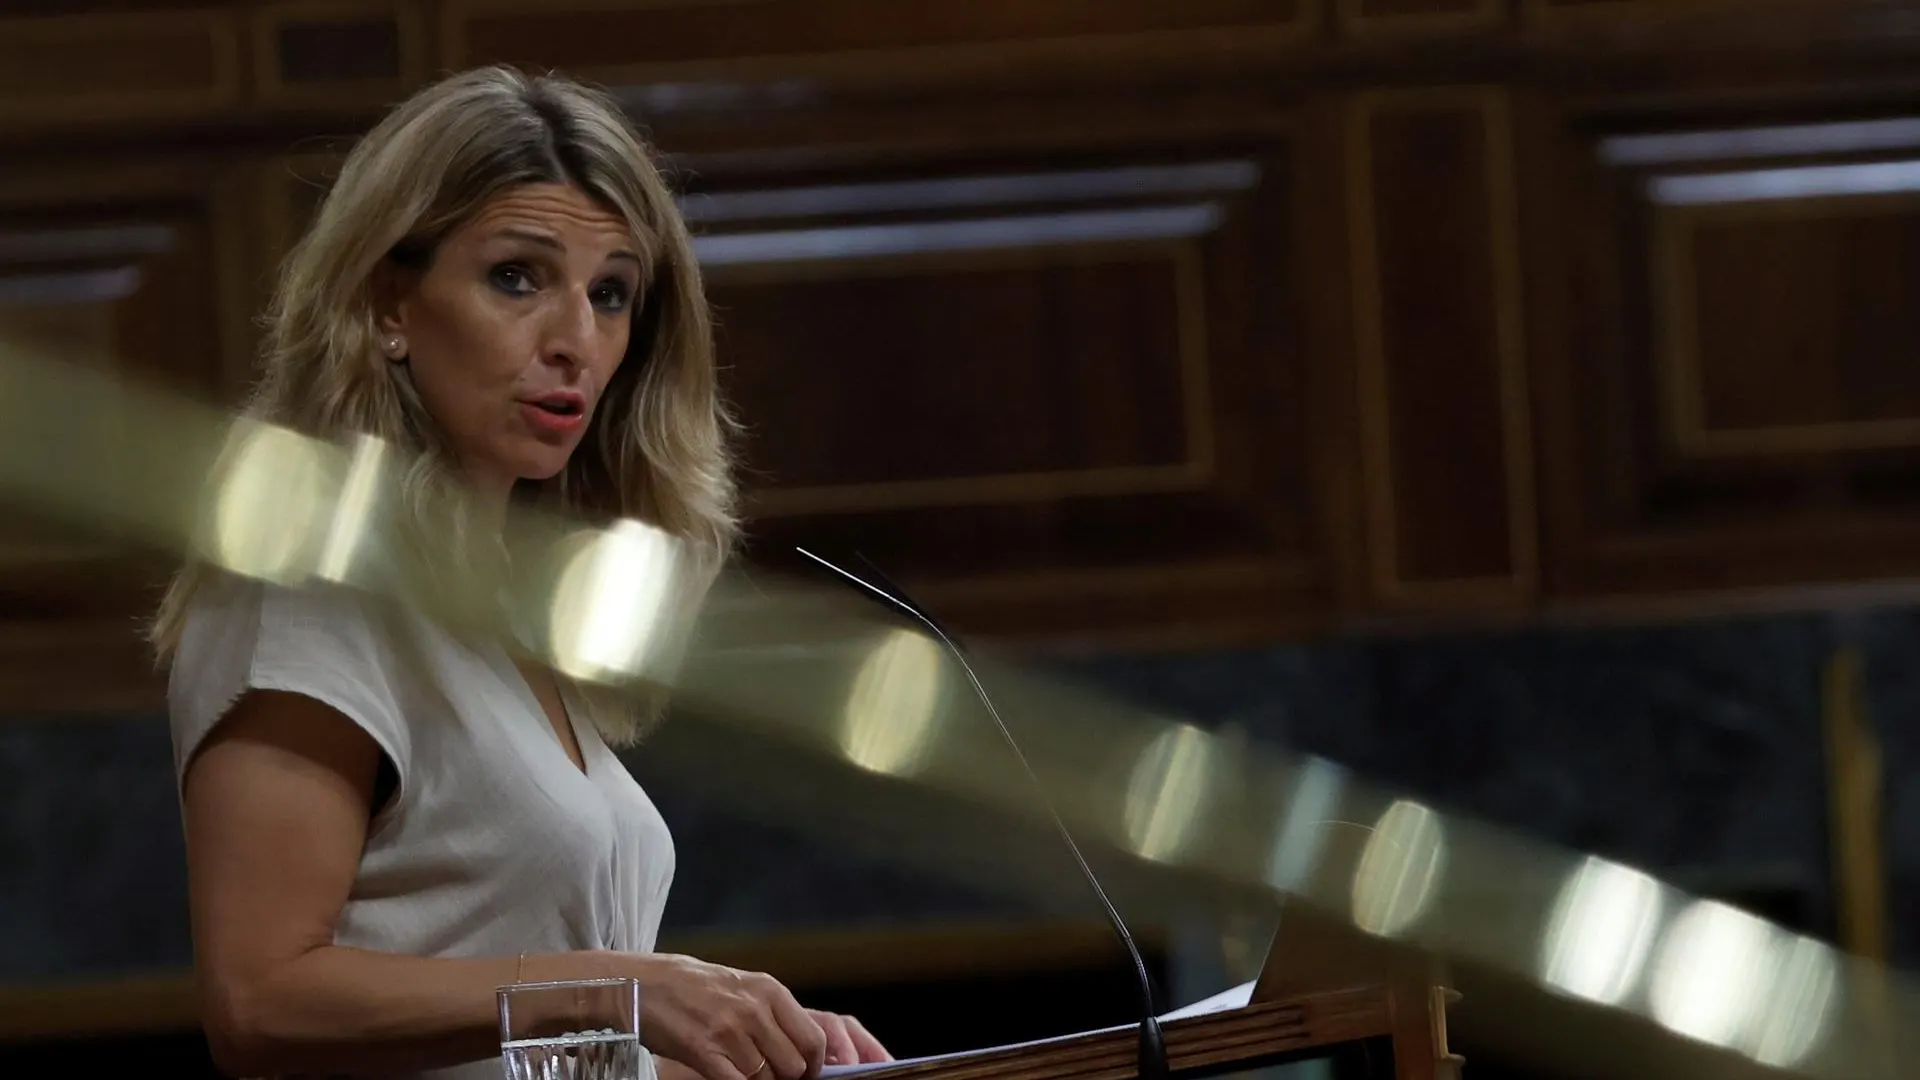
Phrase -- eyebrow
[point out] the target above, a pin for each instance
(547, 240)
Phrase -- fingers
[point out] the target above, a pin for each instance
(717, 1065)
(665, 1068)
(802, 1031)
(738, 1037)
(840, 1047)
(727, 1024)
(792, 1042)
(735, 1052)
(866, 1047)
(848, 1041)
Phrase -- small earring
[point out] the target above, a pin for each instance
(394, 350)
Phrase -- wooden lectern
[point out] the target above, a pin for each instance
(1324, 992)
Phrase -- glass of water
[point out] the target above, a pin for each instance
(587, 1029)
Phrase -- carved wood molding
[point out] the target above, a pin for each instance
(1438, 307)
(315, 53)
(1677, 287)
(275, 62)
(1721, 368)
(142, 266)
(111, 69)
(854, 42)
(1558, 12)
(1387, 18)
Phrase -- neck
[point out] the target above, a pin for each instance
(490, 495)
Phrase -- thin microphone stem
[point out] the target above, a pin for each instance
(1153, 1063)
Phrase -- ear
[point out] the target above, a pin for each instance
(389, 292)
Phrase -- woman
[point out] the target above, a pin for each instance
(385, 821)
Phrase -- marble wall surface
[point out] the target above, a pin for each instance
(1692, 750)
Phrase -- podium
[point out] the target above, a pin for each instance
(1324, 991)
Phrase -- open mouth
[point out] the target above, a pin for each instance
(556, 412)
(560, 403)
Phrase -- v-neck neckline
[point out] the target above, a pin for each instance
(531, 700)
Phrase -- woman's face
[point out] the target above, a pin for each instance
(515, 327)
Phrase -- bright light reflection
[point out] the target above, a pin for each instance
(1601, 930)
(1167, 792)
(353, 510)
(1806, 993)
(1714, 968)
(1794, 140)
(1793, 182)
(891, 712)
(1303, 835)
(1078, 185)
(611, 609)
(1399, 870)
(269, 505)
(972, 234)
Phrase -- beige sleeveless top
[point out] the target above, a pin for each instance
(495, 843)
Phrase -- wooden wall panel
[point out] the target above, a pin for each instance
(324, 53)
(1547, 11)
(1320, 374)
(124, 66)
(1058, 397)
(1832, 367)
(1032, 373)
(136, 268)
(831, 38)
(136, 261)
(1576, 13)
(1374, 17)
(1442, 375)
(1736, 378)
(291, 189)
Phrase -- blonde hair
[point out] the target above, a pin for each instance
(658, 446)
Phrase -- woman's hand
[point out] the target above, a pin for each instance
(665, 1068)
(726, 1024)
(848, 1043)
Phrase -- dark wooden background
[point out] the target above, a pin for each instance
(1111, 323)
(1116, 322)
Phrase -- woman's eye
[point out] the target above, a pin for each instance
(611, 296)
(511, 278)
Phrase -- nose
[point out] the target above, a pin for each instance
(570, 329)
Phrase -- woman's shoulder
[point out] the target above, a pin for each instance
(312, 614)
(319, 640)
(239, 633)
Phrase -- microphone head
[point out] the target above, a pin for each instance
(877, 585)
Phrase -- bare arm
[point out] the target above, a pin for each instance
(277, 807)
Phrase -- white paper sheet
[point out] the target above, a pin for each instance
(1235, 998)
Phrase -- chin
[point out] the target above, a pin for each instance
(540, 472)
(540, 463)
(530, 460)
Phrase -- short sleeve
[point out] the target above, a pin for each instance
(324, 642)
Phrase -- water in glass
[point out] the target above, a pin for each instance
(587, 1029)
(587, 1055)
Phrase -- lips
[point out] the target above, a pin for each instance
(559, 412)
(560, 403)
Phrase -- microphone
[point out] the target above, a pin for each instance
(1152, 1060)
